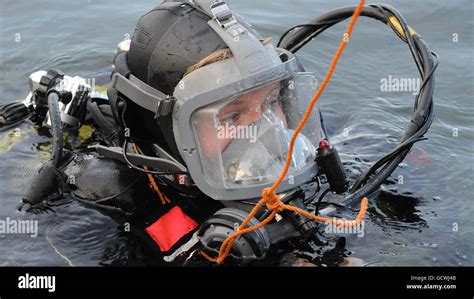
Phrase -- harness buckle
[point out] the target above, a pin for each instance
(165, 107)
(223, 14)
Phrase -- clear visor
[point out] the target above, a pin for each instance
(244, 140)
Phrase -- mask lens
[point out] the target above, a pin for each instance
(244, 140)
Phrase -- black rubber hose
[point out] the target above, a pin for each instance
(304, 34)
(293, 41)
(425, 106)
(419, 118)
(56, 128)
(423, 115)
(408, 36)
(109, 128)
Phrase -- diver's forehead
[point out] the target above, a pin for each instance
(251, 98)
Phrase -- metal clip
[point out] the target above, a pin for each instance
(165, 107)
(223, 14)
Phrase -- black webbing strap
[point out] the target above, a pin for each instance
(143, 95)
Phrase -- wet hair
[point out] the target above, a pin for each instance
(218, 55)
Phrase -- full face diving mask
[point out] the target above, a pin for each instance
(233, 119)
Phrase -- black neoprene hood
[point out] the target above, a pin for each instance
(167, 40)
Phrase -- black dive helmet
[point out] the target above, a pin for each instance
(229, 123)
(166, 41)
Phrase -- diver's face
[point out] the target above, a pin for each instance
(248, 108)
(241, 113)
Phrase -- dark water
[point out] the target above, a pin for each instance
(427, 220)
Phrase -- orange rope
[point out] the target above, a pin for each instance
(269, 197)
(164, 199)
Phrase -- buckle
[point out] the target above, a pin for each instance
(165, 107)
(223, 14)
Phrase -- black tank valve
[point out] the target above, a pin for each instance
(330, 165)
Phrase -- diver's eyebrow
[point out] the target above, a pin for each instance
(234, 105)
(237, 104)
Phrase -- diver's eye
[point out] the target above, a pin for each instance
(231, 118)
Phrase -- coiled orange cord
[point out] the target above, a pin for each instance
(269, 197)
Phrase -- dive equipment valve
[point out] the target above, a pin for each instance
(223, 223)
(330, 164)
(73, 92)
(306, 226)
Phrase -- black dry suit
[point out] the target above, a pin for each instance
(162, 48)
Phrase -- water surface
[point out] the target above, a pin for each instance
(427, 220)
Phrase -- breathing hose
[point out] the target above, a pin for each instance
(56, 128)
(426, 62)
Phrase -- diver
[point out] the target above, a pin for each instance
(197, 121)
